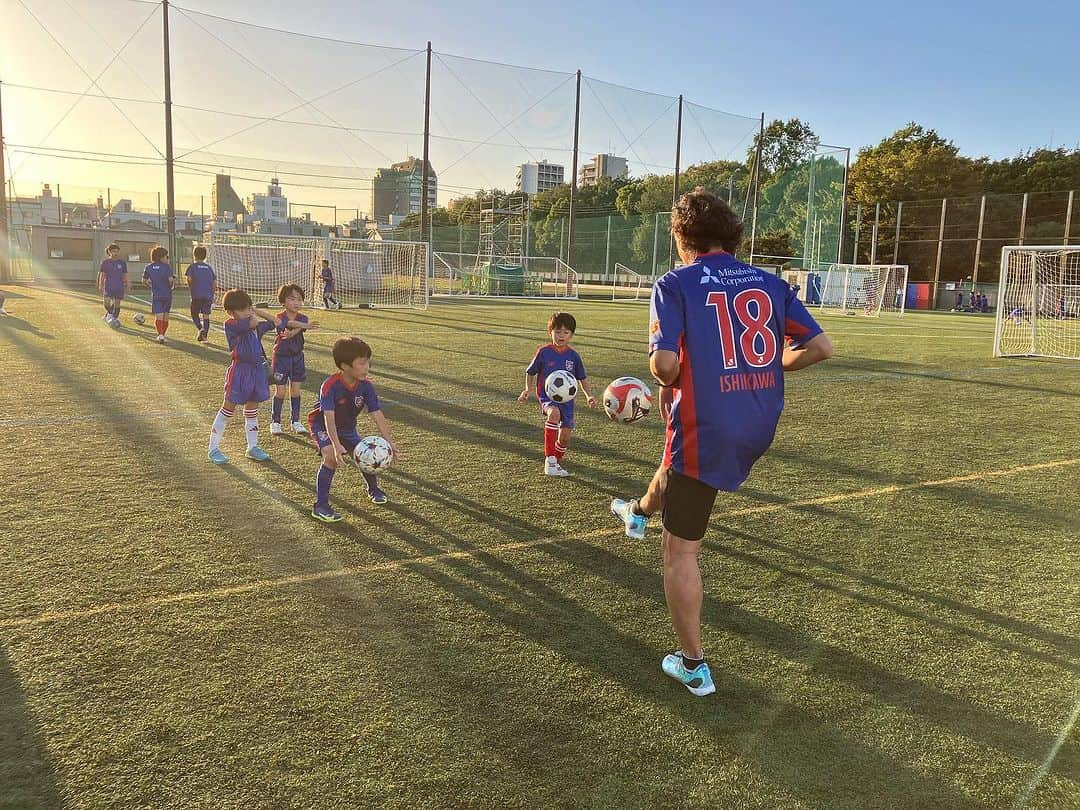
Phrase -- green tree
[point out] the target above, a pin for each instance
(912, 163)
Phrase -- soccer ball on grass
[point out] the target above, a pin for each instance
(627, 400)
(139, 318)
(561, 387)
(373, 454)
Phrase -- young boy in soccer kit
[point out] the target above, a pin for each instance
(559, 417)
(245, 379)
(113, 283)
(200, 280)
(327, 276)
(158, 276)
(287, 365)
(342, 398)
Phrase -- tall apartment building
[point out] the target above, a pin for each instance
(602, 166)
(534, 177)
(397, 190)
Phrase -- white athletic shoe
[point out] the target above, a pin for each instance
(160, 338)
(299, 427)
(275, 429)
(552, 467)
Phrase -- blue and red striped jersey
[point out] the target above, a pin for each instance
(727, 321)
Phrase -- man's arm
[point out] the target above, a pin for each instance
(815, 350)
(664, 366)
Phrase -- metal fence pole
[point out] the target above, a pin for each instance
(5, 243)
(940, 245)
(873, 244)
(896, 238)
(607, 249)
(1068, 218)
(1023, 218)
(675, 180)
(655, 235)
(858, 227)
(978, 242)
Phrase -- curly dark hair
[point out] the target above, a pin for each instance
(235, 300)
(562, 320)
(700, 220)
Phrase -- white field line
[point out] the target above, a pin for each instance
(1025, 796)
(404, 563)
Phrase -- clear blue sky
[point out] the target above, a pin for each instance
(996, 78)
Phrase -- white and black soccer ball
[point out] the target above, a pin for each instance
(373, 454)
(139, 318)
(627, 400)
(561, 386)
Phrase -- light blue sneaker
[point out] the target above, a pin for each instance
(256, 453)
(217, 456)
(698, 680)
(635, 524)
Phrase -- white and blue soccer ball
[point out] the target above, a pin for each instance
(373, 454)
(627, 400)
(561, 386)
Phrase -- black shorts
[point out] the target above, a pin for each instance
(688, 505)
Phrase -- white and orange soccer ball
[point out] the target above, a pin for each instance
(627, 400)
(373, 454)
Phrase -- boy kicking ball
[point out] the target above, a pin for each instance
(342, 398)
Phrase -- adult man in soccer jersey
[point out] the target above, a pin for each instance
(717, 346)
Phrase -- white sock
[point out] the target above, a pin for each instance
(218, 429)
(251, 422)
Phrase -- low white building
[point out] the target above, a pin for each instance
(272, 207)
(538, 176)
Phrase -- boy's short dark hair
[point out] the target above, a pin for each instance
(347, 349)
(199, 253)
(158, 253)
(287, 289)
(235, 300)
(326, 261)
(701, 220)
(562, 320)
(112, 246)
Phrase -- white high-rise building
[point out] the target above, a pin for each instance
(603, 166)
(534, 177)
(270, 207)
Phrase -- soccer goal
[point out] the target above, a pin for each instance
(367, 272)
(628, 285)
(864, 289)
(1038, 304)
(377, 273)
(468, 274)
(261, 263)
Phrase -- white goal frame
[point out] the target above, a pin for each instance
(367, 272)
(1037, 311)
(867, 289)
(627, 284)
(467, 275)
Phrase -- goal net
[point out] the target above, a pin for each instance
(1038, 305)
(367, 272)
(377, 273)
(456, 274)
(261, 263)
(628, 285)
(863, 289)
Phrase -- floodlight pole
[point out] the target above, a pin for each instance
(573, 185)
(425, 234)
(4, 243)
(170, 188)
(675, 179)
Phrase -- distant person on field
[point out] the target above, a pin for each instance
(113, 283)
(158, 276)
(984, 304)
(2, 299)
(328, 287)
(201, 282)
(717, 346)
(959, 302)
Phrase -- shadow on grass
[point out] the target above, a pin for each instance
(13, 322)
(27, 777)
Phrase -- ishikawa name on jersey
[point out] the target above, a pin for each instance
(549, 358)
(727, 321)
